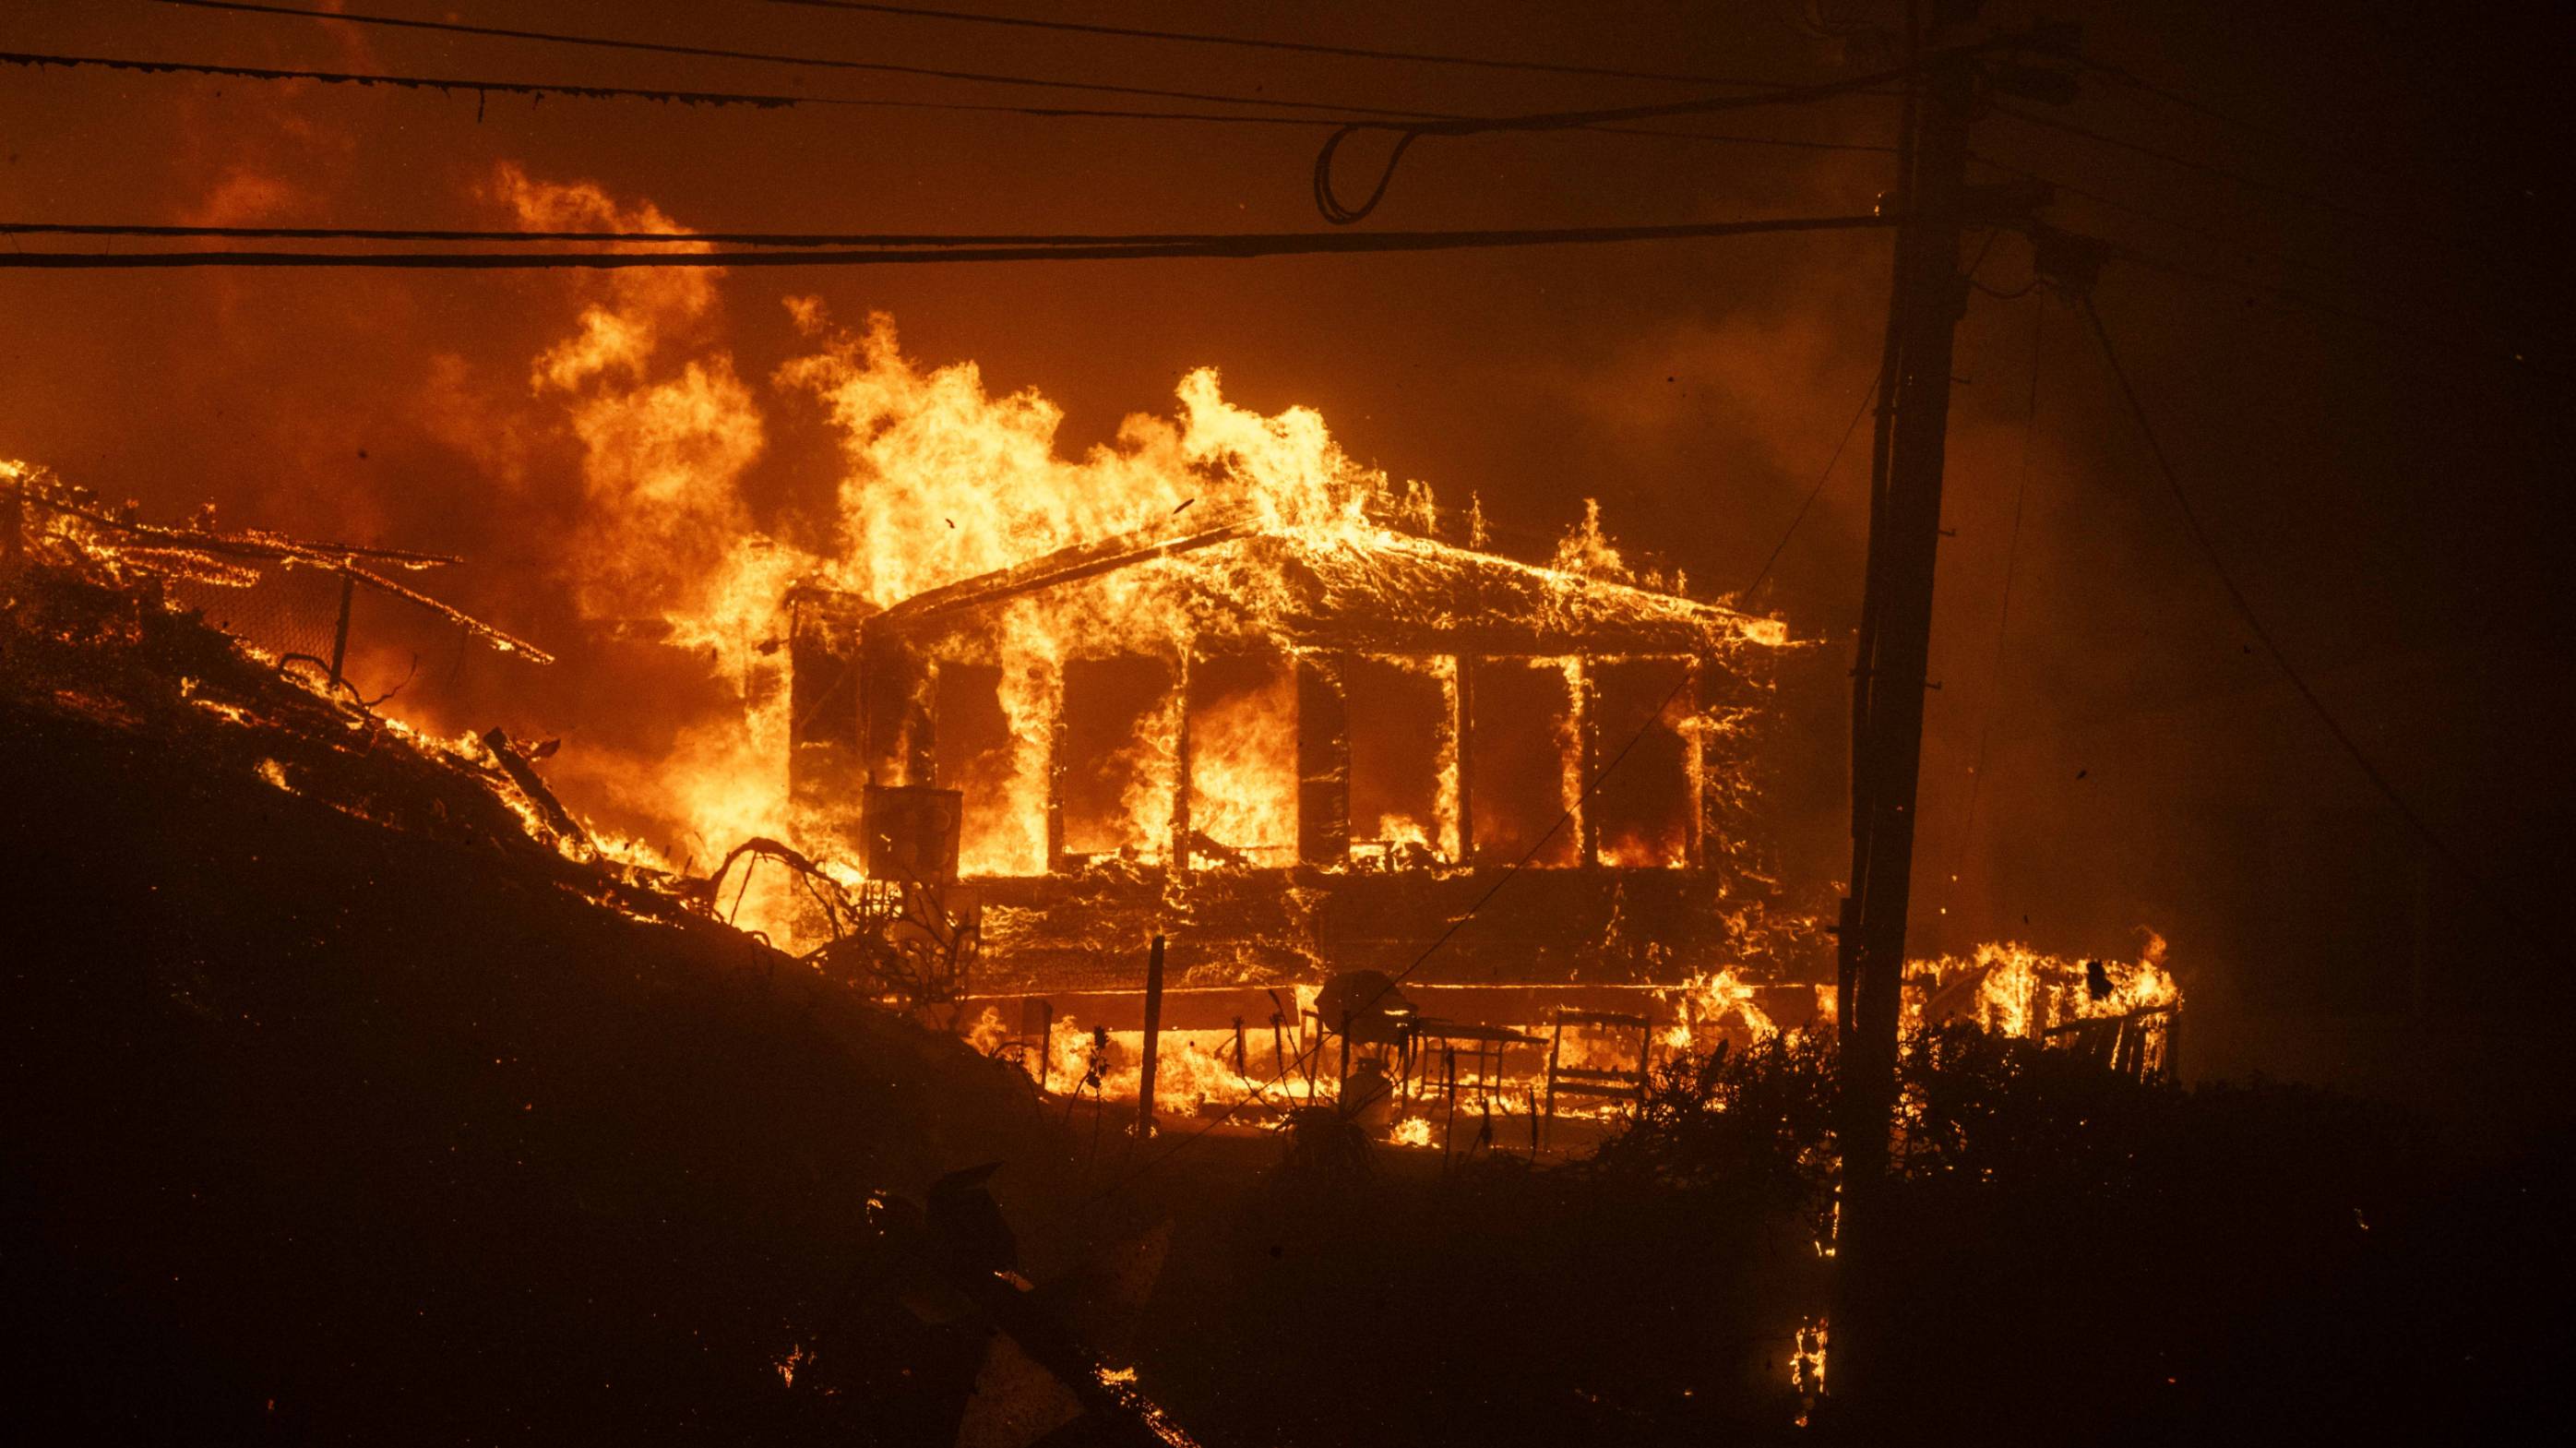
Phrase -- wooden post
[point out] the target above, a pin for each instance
(1240, 1069)
(1449, 1089)
(921, 727)
(1055, 790)
(1587, 743)
(340, 633)
(895, 696)
(1181, 763)
(1462, 697)
(1555, 1045)
(1153, 1039)
(1323, 763)
(1044, 1009)
(13, 526)
(1694, 772)
(827, 754)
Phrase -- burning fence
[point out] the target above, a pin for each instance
(1452, 1058)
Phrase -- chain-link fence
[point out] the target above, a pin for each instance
(288, 613)
(310, 606)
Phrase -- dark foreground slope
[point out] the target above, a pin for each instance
(339, 1110)
(321, 1130)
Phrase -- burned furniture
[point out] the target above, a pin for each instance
(1625, 1080)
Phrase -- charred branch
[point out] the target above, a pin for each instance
(507, 755)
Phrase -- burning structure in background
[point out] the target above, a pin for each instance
(1300, 686)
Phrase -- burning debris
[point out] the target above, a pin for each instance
(2123, 1014)
(100, 628)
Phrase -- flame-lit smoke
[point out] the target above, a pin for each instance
(940, 480)
(944, 481)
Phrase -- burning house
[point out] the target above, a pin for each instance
(1302, 746)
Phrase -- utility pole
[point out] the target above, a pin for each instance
(1153, 1040)
(1890, 675)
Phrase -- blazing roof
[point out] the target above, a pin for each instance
(1370, 589)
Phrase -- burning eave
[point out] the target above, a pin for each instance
(1360, 589)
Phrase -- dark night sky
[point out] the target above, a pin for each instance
(2386, 495)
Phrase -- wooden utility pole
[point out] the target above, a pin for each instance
(1153, 1039)
(1890, 675)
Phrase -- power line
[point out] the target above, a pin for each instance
(2231, 240)
(1341, 213)
(1812, 493)
(739, 238)
(772, 101)
(1238, 246)
(2003, 613)
(2250, 251)
(2495, 899)
(764, 101)
(409, 82)
(2175, 97)
(708, 52)
(755, 99)
(2206, 168)
(2488, 348)
(2137, 82)
(1300, 47)
(1325, 113)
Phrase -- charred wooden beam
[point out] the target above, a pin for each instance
(1587, 745)
(894, 710)
(250, 544)
(826, 759)
(13, 527)
(505, 753)
(1181, 762)
(1055, 789)
(1492, 638)
(1694, 774)
(1462, 698)
(921, 730)
(1323, 762)
(1065, 565)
